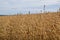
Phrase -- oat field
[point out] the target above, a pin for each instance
(45, 26)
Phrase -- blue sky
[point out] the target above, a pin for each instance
(23, 6)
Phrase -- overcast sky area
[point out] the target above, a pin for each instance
(23, 6)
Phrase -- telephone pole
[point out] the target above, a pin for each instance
(59, 9)
(29, 12)
(44, 8)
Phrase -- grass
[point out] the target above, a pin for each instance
(30, 27)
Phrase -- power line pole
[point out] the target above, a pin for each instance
(44, 8)
(29, 12)
(59, 9)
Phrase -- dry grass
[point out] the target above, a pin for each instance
(30, 27)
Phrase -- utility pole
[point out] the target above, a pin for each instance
(59, 9)
(29, 12)
(41, 11)
(44, 8)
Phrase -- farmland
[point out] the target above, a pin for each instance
(45, 26)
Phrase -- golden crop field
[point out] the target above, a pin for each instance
(30, 27)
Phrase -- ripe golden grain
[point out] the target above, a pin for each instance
(30, 27)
